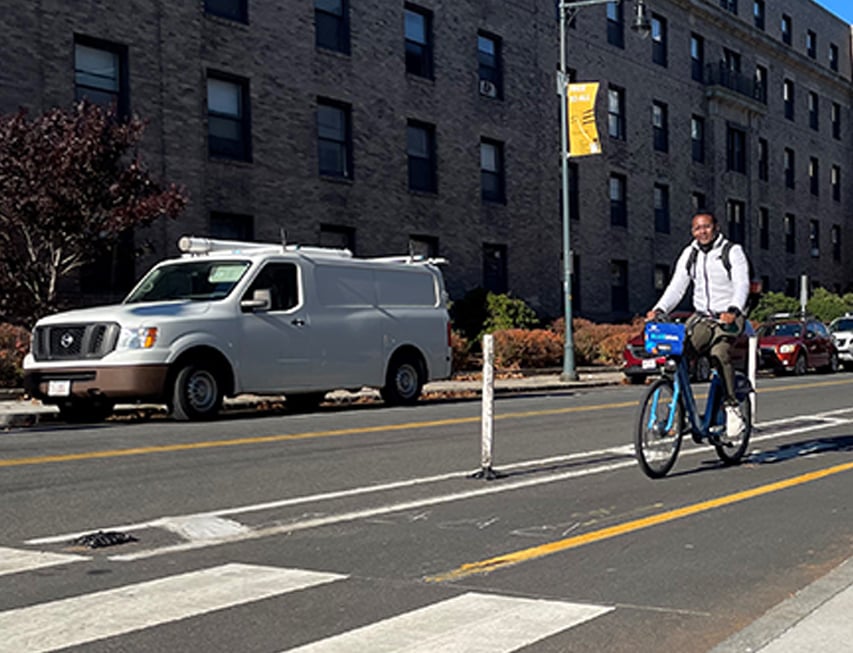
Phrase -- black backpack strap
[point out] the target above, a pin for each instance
(691, 261)
(727, 247)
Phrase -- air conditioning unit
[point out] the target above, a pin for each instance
(488, 88)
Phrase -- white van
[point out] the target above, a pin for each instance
(228, 318)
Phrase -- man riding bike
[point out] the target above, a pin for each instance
(720, 294)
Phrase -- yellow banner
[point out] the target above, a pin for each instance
(583, 134)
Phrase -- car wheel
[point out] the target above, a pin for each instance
(832, 366)
(403, 381)
(800, 366)
(196, 393)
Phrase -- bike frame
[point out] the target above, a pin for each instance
(683, 392)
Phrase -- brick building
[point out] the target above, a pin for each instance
(433, 126)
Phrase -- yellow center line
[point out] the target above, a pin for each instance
(267, 439)
(532, 553)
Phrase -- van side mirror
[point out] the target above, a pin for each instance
(261, 301)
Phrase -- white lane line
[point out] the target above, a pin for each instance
(201, 527)
(468, 623)
(77, 620)
(13, 561)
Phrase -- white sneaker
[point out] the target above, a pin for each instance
(734, 423)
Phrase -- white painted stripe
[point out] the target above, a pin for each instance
(74, 621)
(201, 527)
(481, 623)
(13, 561)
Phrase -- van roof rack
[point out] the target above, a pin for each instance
(196, 246)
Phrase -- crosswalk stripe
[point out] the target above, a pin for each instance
(470, 623)
(13, 561)
(77, 620)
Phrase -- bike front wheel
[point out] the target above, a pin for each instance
(660, 425)
(732, 452)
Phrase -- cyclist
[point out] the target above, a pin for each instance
(719, 299)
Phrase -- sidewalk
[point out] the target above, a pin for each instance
(15, 410)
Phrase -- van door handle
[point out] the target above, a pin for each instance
(297, 321)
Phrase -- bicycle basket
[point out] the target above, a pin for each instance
(664, 338)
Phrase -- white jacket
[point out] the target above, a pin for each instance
(713, 290)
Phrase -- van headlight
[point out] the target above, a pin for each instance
(787, 349)
(137, 338)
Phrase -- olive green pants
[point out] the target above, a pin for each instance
(708, 336)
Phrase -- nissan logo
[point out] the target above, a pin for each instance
(66, 340)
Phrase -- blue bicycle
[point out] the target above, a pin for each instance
(669, 406)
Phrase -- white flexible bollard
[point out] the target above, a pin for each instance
(488, 414)
(751, 368)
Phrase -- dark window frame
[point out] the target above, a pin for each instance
(697, 57)
(814, 176)
(342, 143)
(789, 167)
(493, 182)
(218, 148)
(615, 25)
(660, 132)
(662, 210)
(120, 97)
(332, 28)
(789, 98)
(763, 227)
(616, 127)
(495, 275)
(736, 159)
(419, 55)
(758, 14)
(618, 205)
(236, 10)
(763, 160)
(835, 182)
(422, 169)
(490, 71)
(790, 223)
(659, 40)
(786, 27)
(697, 141)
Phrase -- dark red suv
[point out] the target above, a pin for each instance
(638, 365)
(794, 344)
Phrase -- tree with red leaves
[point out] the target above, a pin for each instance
(71, 181)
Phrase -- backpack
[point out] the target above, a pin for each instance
(755, 284)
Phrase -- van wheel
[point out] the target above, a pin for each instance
(403, 382)
(196, 394)
(82, 411)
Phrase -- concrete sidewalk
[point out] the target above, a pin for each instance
(19, 411)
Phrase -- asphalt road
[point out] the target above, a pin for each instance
(361, 529)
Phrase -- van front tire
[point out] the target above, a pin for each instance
(403, 382)
(196, 394)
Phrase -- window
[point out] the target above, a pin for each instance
(100, 74)
(426, 246)
(790, 234)
(661, 200)
(228, 127)
(494, 268)
(729, 5)
(489, 59)
(787, 29)
(735, 149)
(697, 57)
(758, 14)
(835, 182)
(811, 44)
(334, 139)
(331, 24)
(789, 167)
(764, 227)
(788, 98)
(418, 26)
(814, 111)
(230, 9)
(619, 286)
(698, 202)
(763, 160)
(835, 118)
(814, 238)
(491, 171)
(661, 277)
(337, 236)
(281, 279)
(833, 57)
(616, 112)
(420, 147)
(835, 237)
(618, 207)
(660, 127)
(735, 212)
(615, 24)
(814, 176)
(658, 40)
(697, 138)
(760, 88)
(231, 226)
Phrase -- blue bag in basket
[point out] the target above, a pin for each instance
(664, 338)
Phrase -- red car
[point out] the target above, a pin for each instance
(638, 365)
(792, 344)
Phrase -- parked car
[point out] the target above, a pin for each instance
(796, 344)
(841, 329)
(638, 364)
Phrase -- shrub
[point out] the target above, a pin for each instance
(505, 312)
(774, 302)
(826, 306)
(462, 359)
(527, 348)
(14, 343)
(597, 344)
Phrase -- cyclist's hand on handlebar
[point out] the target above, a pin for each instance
(655, 314)
(727, 318)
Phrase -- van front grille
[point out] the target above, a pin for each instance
(74, 341)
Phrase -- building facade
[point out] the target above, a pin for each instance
(433, 127)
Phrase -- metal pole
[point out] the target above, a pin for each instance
(569, 372)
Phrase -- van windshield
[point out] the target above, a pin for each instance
(197, 281)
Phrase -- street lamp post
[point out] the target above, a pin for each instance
(640, 25)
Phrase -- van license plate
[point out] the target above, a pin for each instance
(58, 388)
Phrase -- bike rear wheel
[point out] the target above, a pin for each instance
(732, 452)
(660, 424)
